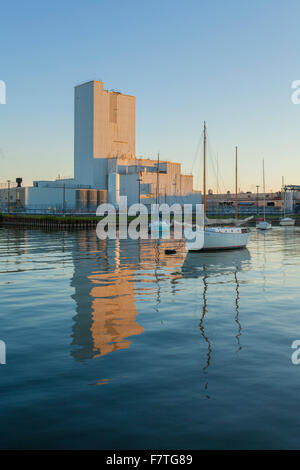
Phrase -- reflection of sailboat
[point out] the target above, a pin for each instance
(207, 265)
(215, 238)
(213, 264)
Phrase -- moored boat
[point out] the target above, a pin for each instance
(215, 238)
(287, 221)
(263, 225)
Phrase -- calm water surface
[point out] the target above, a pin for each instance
(116, 345)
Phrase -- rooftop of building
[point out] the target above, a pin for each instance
(116, 92)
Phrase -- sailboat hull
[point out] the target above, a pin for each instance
(218, 238)
(287, 221)
(160, 227)
(263, 225)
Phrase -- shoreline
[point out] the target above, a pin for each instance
(75, 222)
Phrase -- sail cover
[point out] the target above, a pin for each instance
(227, 221)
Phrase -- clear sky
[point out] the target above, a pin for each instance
(230, 63)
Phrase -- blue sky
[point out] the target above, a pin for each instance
(230, 63)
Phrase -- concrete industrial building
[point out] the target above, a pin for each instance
(105, 154)
(105, 163)
(104, 129)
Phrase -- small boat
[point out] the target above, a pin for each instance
(263, 224)
(215, 238)
(287, 221)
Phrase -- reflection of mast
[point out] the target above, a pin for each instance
(264, 264)
(204, 310)
(237, 298)
(157, 259)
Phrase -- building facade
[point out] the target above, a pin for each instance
(104, 128)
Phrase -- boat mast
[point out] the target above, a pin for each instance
(217, 174)
(204, 171)
(284, 196)
(264, 185)
(236, 182)
(157, 180)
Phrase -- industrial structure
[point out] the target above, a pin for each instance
(105, 162)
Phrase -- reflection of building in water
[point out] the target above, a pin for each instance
(113, 311)
(104, 282)
(104, 293)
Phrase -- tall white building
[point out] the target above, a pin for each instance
(104, 128)
(105, 149)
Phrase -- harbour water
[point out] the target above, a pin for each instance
(115, 345)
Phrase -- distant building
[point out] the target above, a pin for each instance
(248, 199)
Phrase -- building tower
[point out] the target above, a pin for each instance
(104, 128)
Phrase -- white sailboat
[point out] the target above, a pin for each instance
(263, 224)
(285, 221)
(215, 238)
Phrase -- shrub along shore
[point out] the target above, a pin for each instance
(52, 221)
(72, 222)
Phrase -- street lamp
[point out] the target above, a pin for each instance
(257, 186)
(139, 181)
(8, 194)
(64, 197)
